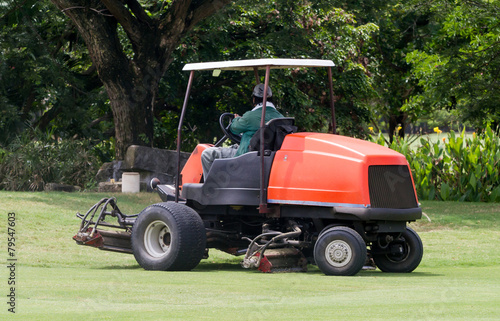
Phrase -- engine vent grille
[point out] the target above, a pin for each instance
(391, 187)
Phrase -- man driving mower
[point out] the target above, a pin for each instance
(245, 125)
(294, 198)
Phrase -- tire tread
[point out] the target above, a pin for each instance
(191, 240)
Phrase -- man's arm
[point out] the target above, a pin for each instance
(241, 124)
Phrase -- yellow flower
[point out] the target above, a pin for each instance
(399, 128)
(436, 129)
(371, 129)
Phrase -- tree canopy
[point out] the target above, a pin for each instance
(280, 29)
(458, 67)
(110, 71)
(131, 44)
(47, 80)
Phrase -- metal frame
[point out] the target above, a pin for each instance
(251, 65)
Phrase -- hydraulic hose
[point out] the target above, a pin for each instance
(296, 231)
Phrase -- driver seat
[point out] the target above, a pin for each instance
(274, 134)
(236, 181)
(230, 181)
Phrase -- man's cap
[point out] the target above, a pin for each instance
(258, 91)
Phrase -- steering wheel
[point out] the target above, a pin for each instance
(226, 129)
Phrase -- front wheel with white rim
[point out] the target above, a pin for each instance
(168, 237)
(340, 251)
(157, 239)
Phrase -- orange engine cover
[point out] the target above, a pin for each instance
(192, 172)
(326, 170)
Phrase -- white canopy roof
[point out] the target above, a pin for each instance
(251, 64)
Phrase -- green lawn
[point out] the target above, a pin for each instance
(459, 277)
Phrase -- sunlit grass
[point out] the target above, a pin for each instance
(459, 277)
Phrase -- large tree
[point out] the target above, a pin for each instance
(458, 68)
(247, 29)
(46, 77)
(131, 44)
(402, 28)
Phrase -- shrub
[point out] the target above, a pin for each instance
(456, 167)
(28, 164)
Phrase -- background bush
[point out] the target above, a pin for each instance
(455, 167)
(29, 163)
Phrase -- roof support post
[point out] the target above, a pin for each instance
(179, 133)
(332, 103)
(263, 192)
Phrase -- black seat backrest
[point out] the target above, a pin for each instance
(274, 134)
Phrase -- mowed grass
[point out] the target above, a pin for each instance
(459, 277)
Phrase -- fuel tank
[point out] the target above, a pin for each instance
(333, 170)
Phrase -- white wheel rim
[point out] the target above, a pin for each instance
(157, 239)
(338, 253)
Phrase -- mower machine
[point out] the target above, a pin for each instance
(324, 199)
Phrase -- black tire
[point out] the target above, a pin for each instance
(168, 237)
(411, 252)
(340, 251)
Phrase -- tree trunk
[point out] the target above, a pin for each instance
(131, 80)
(132, 115)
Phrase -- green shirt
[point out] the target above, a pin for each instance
(249, 123)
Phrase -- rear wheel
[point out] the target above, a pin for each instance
(402, 255)
(168, 237)
(340, 251)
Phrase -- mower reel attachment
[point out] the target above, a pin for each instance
(116, 237)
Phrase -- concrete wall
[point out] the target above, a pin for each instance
(149, 162)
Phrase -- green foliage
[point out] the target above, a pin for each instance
(275, 29)
(454, 168)
(397, 61)
(401, 28)
(28, 164)
(457, 67)
(46, 78)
